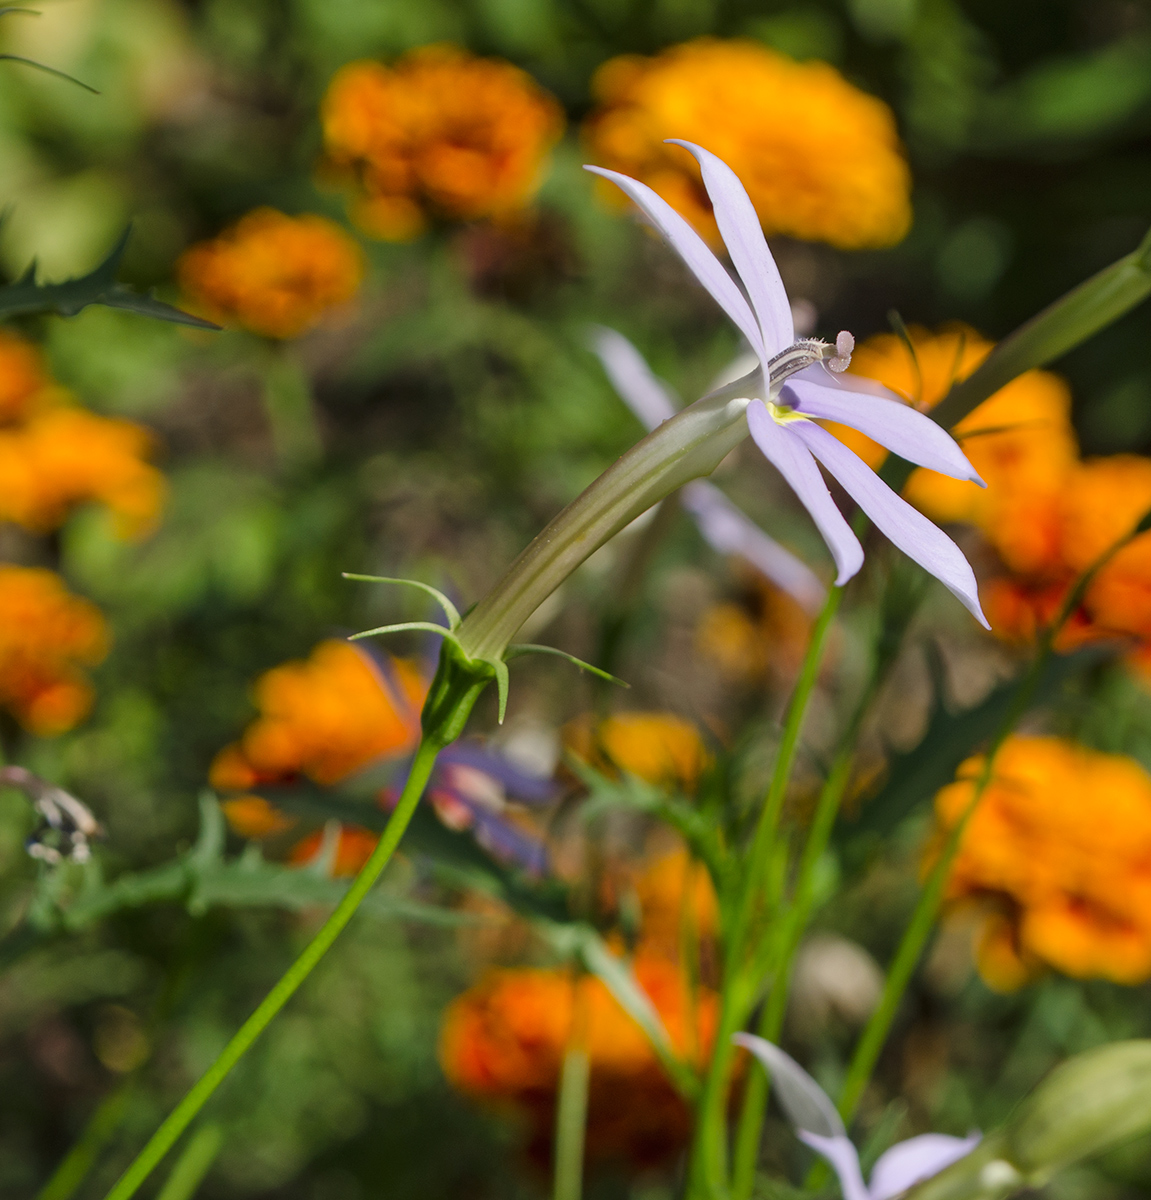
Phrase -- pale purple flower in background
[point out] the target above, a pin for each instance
(818, 1124)
(798, 387)
(726, 529)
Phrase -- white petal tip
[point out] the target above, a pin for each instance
(975, 477)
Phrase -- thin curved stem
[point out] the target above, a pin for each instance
(164, 1137)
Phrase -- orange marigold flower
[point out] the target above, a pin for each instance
(46, 636)
(25, 386)
(820, 159)
(439, 134)
(1059, 851)
(324, 718)
(273, 274)
(659, 747)
(504, 1041)
(67, 456)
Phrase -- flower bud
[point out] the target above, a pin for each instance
(1085, 1106)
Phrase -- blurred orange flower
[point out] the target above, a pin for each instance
(46, 636)
(820, 159)
(1058, 854)
(273, 274)
(658, 747)
(324, 718)
(54, 456)
(439, 134)
(25, 386)
(504, 1041)
(66, 456)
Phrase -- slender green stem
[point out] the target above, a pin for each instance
(571, 1120)
(164, 1137)
(103, 1123)
(709, 1155)
(194, 1163)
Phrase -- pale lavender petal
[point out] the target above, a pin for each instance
(899, 427)
(843, 1157)
(743, 236)
(806, 1104)
(844, 381)
(909, 529)
(794, 462)
(915, 1160)
(730, 531)
(638, 387)
(693, 250)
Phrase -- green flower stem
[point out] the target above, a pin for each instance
(691, 444)
(290, 410)
(164, 1137)
(709, 1155)
(571, 1111)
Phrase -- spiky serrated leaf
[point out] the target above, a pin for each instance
(99, 286)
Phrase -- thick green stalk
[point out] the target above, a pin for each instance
(708, 1176)
(691, 444)
(164, 1137)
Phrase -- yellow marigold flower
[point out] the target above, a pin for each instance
(1057, 851)
(46, 636)
(1020, 440)
(324, 718)
(273, 274)
(659, 747)
(67, 456)
(504, 1040)
(439, 134)
(820, 159)
(25, 386)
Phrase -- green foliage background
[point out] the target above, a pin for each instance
(455, 417)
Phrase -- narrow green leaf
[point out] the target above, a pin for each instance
(450, 610)
(514, 651)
